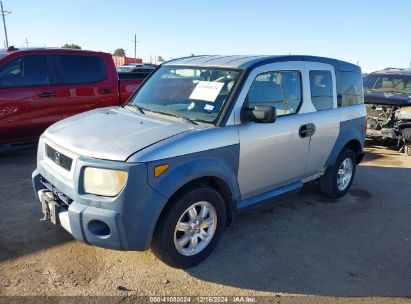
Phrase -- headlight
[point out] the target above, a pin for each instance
(104, 182)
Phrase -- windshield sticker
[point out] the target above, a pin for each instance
(207, 90)
(208, 107)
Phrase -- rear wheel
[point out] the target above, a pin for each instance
(337, 179)
(190, 227)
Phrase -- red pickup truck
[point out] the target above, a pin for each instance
(41, 86)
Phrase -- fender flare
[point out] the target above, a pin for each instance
(349, 131)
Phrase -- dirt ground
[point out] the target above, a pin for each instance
(305, 245)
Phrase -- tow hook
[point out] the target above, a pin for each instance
(46, 217)
(48, 205)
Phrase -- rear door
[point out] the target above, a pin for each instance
(325, 116)
(28, 103)
(85, 83)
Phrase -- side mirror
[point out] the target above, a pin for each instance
(260, 114)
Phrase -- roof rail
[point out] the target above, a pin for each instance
(398, 69)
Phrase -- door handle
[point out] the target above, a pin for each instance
(106, 91)
(47, 94)
(306, 130)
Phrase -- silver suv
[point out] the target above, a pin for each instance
(202, 139)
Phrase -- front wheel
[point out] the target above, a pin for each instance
(190, 227)
(337, 179)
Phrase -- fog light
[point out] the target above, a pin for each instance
(99, 228)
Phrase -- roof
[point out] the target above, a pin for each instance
(11, 50)
(244, 61)
(393, 71)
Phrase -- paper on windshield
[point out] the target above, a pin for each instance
(207, 90)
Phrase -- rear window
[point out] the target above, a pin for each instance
(82, 69)
(130, 75)
(349, 89)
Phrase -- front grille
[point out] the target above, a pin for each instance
(59, 158)
(60, 197)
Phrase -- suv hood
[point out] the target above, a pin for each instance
(387, 98)
(111, 133)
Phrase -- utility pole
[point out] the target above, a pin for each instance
(27, 42)
(135, 46)
(4, 14)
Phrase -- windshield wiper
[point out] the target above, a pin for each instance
(136, 107)
(185, 119)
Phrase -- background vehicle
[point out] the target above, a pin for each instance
(136, 68)
(41, 86)
(204, 138)
(388, 102)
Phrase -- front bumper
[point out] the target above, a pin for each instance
(91, 225)
(125, 222)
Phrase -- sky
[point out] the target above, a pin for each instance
(373, 33)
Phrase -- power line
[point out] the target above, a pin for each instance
(26, 42)
(4, 14)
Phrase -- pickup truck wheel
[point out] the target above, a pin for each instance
(190, 228)
(337, 179)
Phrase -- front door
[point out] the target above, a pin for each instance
(274, 154)
(28, 104)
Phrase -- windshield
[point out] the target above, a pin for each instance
(195, 93)
(388, 83)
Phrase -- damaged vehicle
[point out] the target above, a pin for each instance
(387, 95)
(203, 139)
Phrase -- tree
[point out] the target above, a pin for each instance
(71, 46)
(120, 52)
(160, 59)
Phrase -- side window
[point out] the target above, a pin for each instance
(321, 87)
(82, 69)
(25, 71)
(349, 89)
(281, 89)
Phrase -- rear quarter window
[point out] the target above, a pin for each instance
(81, 69)
(349, 89)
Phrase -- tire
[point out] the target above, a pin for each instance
(331, 183)
(180, 210)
